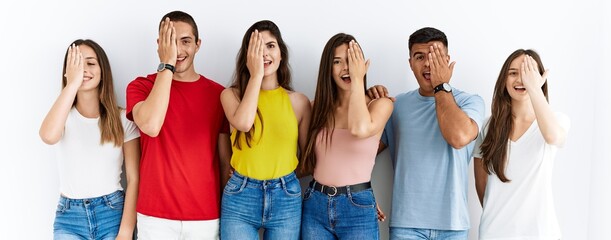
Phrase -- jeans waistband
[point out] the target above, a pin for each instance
(332, 190)
(269, 182)
(100, 199)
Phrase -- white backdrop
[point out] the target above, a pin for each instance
(571, 36)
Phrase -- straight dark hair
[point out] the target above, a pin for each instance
(494, 148)
(242, 75)
(180, 16)
(110, 125)
(425, 35)
(326, 101)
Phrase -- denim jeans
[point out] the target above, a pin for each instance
(92, 218)
(427, 234)
(343, 216)
(249, 205)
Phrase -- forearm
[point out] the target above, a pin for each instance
(149, 114)
(457, 128)
(359, 118)
(53, 125)
(224, 149)
(128, 219)
(546, 119)
(243, 117)
(481, 179)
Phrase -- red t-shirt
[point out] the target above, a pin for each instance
(179, 176)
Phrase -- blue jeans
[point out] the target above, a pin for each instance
(249, 204)
(427, 234)
(343, 216)
(92, 218)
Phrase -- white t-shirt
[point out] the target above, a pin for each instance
(88, 169)
(524, 207)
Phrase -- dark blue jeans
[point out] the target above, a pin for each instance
(93, 218)
(343, 216)
(250, 204)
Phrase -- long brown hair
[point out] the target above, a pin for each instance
(326, 100)
(495, 144)
(242, 75)
(110, 125)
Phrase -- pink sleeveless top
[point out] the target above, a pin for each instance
(347, 160)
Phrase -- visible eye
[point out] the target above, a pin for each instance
(513, 73)
(419, 57)
(335, 62)
(271, 45)
(186, 42)
(91, 63)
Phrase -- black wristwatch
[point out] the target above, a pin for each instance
(443, 87)
(164, 66)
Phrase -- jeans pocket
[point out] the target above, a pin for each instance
(292, 188)
(233, 186)
(61, 207)
(364, 199)
(116, 201)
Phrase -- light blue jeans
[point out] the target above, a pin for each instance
(93, 218)
(350, 216)
(250, 204)
(427, 234)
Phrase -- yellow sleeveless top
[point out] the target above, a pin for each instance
(273, 147)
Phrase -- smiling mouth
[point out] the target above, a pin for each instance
(346, 78)
(519, 88)
(266, 63)
(427, 75)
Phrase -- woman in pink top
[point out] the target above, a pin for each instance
(342, 143)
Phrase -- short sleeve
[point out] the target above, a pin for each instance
(137, 91)
(474, 107)
(130, 130)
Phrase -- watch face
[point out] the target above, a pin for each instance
(161, 67)
(447, 87)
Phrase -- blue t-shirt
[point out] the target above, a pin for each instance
(431, 177)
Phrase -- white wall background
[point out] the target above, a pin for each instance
(572, 37)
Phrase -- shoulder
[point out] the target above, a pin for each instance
(463, 96)
(213, 84)
(299, 100)
(143, 81)
(230, 93)
(380, 102)
(298, 97)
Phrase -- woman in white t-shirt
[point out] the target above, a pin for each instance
(93, 139)
(513, 170)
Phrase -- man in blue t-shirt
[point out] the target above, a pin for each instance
(431, 135)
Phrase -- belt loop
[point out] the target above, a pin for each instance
(66, 202)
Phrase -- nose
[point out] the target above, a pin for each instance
(265, 51)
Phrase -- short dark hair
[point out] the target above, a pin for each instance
(180, 16)
(425, 35)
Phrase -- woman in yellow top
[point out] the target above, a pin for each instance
(269, 122)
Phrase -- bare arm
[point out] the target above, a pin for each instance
(481, 179)
(457, 128)
(303, 111)
(131, 153)
(241, 113)
(149, 114)
(552, 132)
(364, 121)
(52, 126)
(224, 145)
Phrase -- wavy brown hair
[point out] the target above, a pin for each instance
(242, 75)
(110, 125)
(326, 101)
(495, 145)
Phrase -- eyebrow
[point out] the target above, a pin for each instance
(94, 58)
(270, 42)
(416, 53)
(186, 38)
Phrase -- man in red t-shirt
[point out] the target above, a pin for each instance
(184, 138)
